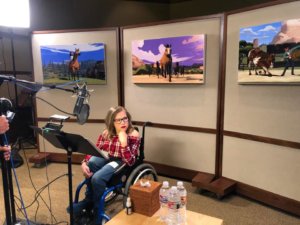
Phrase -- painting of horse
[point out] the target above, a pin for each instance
(260, 59)
(171, 60)
(166, 62)
(272, 51)
(74, 63)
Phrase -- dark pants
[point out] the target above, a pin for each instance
(288, 63)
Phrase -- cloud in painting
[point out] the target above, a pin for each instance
(248, 31)
(268, 28)
(149, 56)
(66, 49)
(185, 49)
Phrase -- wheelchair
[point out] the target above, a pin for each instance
(120, 183)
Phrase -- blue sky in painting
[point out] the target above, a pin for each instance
(61, 53)
(264, 33)
(186, 50)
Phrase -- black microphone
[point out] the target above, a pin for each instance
(81, 109)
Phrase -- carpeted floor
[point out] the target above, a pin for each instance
(234, 210)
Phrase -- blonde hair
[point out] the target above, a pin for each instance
(110, 119)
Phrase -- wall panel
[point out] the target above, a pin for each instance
(182, 105)
(270, 111)
(102, 97)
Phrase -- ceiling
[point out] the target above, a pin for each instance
(160, 1)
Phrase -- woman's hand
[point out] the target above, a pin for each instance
(6, 150)
(86, 170)
(105, 134)
(4, 125)
(123, 138)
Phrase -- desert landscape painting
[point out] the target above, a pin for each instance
(270, 53)
(71, 63)
(172, 60)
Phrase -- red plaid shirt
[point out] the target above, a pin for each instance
(113, 147)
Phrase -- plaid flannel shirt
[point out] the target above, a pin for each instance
(128, 154)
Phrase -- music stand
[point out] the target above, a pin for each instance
(71, 143)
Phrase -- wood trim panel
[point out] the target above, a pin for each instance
(268, 140)
(62, 157)
(174, 172)
(269, 198)
(221, 98)
(73, 30)
(120, 70)
(177, 127)
(43, 119)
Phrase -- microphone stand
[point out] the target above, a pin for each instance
(6, 169)
(8, 191)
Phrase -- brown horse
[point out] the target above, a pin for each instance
(74, 65)
(166, 62)
(260, 59)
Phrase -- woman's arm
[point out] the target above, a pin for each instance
(84, 164)
(130, 150)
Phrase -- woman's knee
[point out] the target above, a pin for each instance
(98, 181)
(96, 163)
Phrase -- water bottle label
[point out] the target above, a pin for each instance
(163, 199)
(173, 205)
(183, 200)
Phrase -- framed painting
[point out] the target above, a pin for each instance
(77, 62)
(270, 53)
(172, 60)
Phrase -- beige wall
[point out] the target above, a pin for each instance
(264, 110)
(103, 96)
(186, 105)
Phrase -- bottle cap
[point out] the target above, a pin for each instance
(165, 184)
(174, 188)
(179, 183)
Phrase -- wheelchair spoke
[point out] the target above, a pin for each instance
(145, 171)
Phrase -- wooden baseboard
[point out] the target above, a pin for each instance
(174, 172)
(55, 157)
(277, 201)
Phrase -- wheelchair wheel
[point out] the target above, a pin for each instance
(145, 171)
(104, 221)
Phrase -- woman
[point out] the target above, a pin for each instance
(122, 142)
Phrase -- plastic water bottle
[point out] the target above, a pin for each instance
(163, 200)
(183, 200)
(173, 206)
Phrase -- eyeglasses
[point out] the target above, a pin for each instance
(124, 119)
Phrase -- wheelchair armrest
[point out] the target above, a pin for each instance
(120, 168)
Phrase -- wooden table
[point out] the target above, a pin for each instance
(193, 218)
